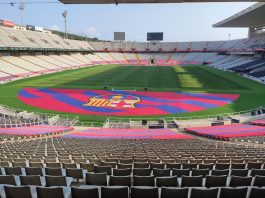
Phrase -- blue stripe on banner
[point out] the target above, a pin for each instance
(171, 109)
(76, 103)
(26, 94)
(211, 97)
(200, 104)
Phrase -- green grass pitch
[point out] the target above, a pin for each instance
(157, 78)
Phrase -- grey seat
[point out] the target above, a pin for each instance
(34, 171)
(157, 166)
(206, 166)
(53, 165)
(161, 172)
(259, 181)
(203, 193)
(167, 181)
(33, 180)
(180, 172)
(191, 181)
(103, 169)
(13, 170)
(17, 192)
(69, 165)
(189, 166)
(112, 164)
(254, 165)
(114, 191)
(55, 181)
(240, 181)
(215, 181)
(98, 179)
(238, 166)
(220, 172)
(167, 192)
(126, 161)
(8, 179)
(90, 167)
(124, 166)
(143, 191)
(48, 192)
(53, 171)
(255, 172)
(88, 191)
(257, 192)
(120, 181)
(144, 181)
(222, 166)
(197, 172)
(36, 164)
(142, 171)
(76, 173)
(173, 165)
(228, 192)
(141, 165)
(122, 172)
(239, 172)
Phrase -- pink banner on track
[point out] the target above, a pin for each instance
(122, 103)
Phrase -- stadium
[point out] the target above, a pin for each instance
(83, 117)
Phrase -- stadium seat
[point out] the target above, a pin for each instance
(13, 170)
(17, 191)
(233, 192)
(103, 169)
(180, 172)
(239, 172)
(167, 192)
(56, 181)
(142, 171)
(53, 171)
(98, 179)
(259, 181)
(87, 191)
(257, 192)
(44, 192)
(167, 181)
(28, 180)
(215, 181)
(240, 181)
(8, 179)
(34, 171)
(220, 172)
(201, 193)
(144, 181)
(120, 181)
(191, 181)
(114, 191)
(122, 172)
(140, 192)
(76, 173)
(161, 172)
(197, 172)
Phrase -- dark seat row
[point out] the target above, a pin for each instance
(35, 180)
(101, 179)
(134, 192)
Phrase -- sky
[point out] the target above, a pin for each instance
(179, 22)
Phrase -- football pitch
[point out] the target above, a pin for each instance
(181, 79)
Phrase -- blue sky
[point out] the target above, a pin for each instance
(179, 22)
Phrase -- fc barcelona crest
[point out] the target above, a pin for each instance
(114, 101)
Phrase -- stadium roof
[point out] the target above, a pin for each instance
(147, 1)
(253, 16)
